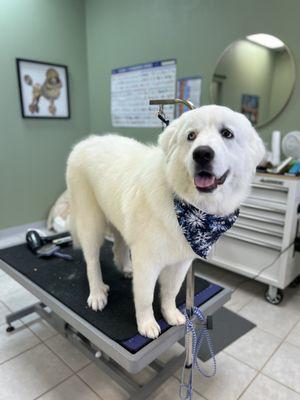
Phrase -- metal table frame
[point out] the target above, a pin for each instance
(106, 353)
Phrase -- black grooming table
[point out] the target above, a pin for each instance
(63, 286)
(67, 282)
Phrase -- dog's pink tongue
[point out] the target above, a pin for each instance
(204, 181)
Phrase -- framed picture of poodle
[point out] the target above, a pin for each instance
(44, 89)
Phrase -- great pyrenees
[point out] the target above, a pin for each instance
(207, 158)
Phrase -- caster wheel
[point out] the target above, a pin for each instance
(274, 300)
(10, 328)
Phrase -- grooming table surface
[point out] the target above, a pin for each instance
(64, 283)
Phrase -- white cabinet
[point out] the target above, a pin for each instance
(258, 243)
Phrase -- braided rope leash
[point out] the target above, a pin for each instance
(186, 389)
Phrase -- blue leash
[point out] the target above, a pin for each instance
(186, 390)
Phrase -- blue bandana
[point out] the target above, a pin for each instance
(200, 229)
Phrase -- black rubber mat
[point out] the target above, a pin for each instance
(67, 282)
(227, 328)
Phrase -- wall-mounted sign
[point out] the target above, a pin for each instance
(132, 88)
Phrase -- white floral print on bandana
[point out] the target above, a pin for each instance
(200, 229)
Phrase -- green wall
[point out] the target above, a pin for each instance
(92, 37)
(33, 152)
(196, 32)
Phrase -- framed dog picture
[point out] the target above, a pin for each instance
(44, 89)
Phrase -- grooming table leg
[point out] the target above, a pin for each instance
(110, 367)
(165, 373)
(15, 316)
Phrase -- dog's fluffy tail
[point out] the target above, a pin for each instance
(71, 224)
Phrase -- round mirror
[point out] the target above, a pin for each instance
(255, 76)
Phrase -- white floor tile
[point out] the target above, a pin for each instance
(8, 286)
(284, 366)
(19, 299)
(170, 391)
(102, 384)
(254, 348)
(277, 320)
(264, 388)
(294, 336)
(244, 294)
(291, 299)
(69, 353)
(31, 374)
(71, 389)
(40, 327)
(143, 376)
(16, 342)
(231, 379)
(176, 350)
(3, 312)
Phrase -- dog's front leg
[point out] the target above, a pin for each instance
(171, 279)
(145, 275)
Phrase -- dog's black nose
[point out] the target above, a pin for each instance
(203, 155)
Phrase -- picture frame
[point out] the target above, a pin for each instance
(250, 107)
(43, 89)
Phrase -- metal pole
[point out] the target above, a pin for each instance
(189, 304)
(190, 278)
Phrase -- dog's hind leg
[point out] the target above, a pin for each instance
(171, 279)
(122, 254)
(88, 224)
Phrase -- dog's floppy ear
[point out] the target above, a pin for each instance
(168, 138)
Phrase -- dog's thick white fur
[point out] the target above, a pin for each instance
(120, 184)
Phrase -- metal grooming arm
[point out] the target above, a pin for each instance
(162, 102)
(190, 278)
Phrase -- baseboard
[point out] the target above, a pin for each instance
(16, 234)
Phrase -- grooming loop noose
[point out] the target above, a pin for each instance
(193, 338)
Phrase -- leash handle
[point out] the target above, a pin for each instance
(186, 389)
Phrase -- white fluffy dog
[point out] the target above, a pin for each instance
(207, 157)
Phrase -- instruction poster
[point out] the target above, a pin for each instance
(132, 88)
(188, 89)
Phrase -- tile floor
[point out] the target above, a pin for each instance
(37, 363)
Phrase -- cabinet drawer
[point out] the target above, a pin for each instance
(242, 255)
(255, 237)
(269, 195)
(258, 225)
(261, 215)
(259, 204)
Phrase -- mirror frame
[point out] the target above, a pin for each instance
(259, 125)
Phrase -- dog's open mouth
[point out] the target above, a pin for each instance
(208, 182)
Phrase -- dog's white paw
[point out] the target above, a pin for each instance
(127, 271)
(149, 328)
(97, 299)
(174, 316)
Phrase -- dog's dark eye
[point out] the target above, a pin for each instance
(226, 133)
(191, 136)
